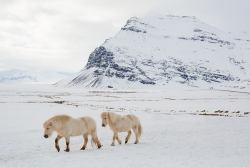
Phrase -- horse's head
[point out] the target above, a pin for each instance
(105, 118)
(48, 129)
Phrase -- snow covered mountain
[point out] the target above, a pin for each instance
(162, 50)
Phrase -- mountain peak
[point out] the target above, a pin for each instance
(158, 50)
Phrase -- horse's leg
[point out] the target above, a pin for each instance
(67, 144)
(85, 136)
(113, 142)
(136, 135)
(96, 140)
(56, 142)
(127, 138)
(118, 140)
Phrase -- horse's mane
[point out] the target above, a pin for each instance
(113, 117)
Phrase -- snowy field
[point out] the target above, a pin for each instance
(181, 128)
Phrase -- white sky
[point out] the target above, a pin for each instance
(59, 35)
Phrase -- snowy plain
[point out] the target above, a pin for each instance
(182, 127)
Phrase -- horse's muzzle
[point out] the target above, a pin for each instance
(103, 125)
(45, 136)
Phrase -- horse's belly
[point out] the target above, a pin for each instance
(78, 132)
(124, 129)
(124, 126)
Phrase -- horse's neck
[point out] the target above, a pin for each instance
(58, 125)
(112, 121)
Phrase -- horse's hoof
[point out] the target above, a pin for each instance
(136, 142)
(126, 142)
(99, 146)
(58, 149)
(83, 148)
(112, 144)
(67, 150)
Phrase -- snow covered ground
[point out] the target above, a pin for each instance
(181, 127)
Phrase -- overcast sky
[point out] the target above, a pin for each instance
(59, 35)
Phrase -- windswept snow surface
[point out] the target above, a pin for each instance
(181, 127)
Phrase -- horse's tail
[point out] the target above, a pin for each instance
(137, 125)
(139, 128)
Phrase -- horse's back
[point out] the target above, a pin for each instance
(62, 118)
(89, 122)
(133, 117)
(78, 126)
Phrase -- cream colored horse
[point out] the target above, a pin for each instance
(66, 126)
(119, 123)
